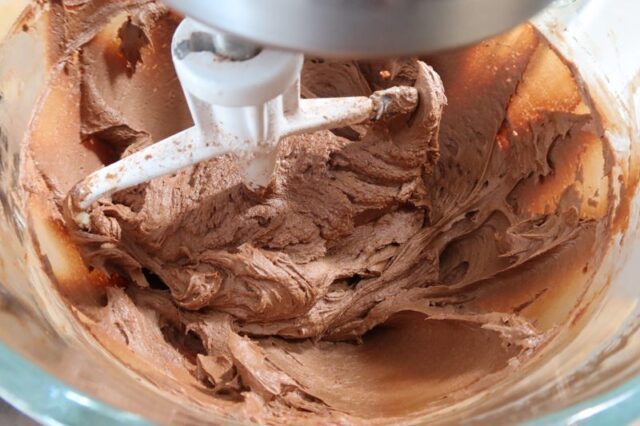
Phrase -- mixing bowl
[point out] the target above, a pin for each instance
(52, 370)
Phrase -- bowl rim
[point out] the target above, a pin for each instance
(44, 398)
(47, 400)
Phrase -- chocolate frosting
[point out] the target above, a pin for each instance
(389, 268)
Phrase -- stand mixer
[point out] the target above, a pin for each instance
(591, 379)
(239, 66)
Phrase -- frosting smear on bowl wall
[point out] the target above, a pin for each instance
(389, 269)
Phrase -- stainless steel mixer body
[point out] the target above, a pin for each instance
(361, 28)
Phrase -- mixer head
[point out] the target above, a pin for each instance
(358, 29)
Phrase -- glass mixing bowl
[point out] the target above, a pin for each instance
(51, 370)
